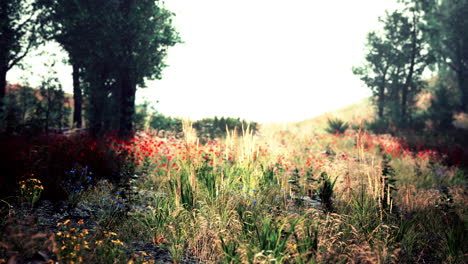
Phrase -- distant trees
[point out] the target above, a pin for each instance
(18, 35)
(425, 33)
(31, 111)
(395, 60)
(217, 127)
(447, 34)
(113, 46)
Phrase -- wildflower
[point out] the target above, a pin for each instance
(117, 242)
(66, 222)
(81, 222)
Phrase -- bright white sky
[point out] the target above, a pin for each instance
(261, 60)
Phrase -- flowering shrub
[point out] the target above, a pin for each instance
(30, 190)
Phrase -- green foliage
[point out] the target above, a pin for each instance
(395, 61)
(270, 237)
(21, 112)
(325, 191)
(447, 33)
(31, 111)
(307, 242)
(378, 125)
(212, 128)
(442, 108)
(54, 113)
(336, 126)
(117, 45)
(19, 34)
(159, 121)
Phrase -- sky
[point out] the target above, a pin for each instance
(260, 60)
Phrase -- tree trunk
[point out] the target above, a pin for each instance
(97, 100)
(382, 94)
(3, 84)
(127, 104)
(77, 97)
(463, 87)
(409, 77)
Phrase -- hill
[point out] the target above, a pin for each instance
(354, 114)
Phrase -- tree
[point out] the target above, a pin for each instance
(376, 70)
(447, 32)
(18, 35)
(116, 45)
(145, 33)
(394, 63)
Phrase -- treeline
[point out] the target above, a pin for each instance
(113, 46)
(29, 111)
(421, 36)
(206, 128)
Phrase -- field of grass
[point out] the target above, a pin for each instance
(285, 196)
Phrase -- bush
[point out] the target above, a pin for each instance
(216, 127)
(336, 126)
(159, 121)
(442, 108)
(377, 125)
(30, 111)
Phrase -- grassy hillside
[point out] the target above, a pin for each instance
(354, 114)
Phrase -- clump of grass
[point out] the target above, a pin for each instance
(336, 126)
(325, 191)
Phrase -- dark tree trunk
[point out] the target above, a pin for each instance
(382, 94)
(97, 101)
(127, 104)
(409, 77)
(2, 87)
(127, 84)
(381, 102)
(463, 87)
(77, 97)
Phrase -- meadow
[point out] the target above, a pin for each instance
(276, 197)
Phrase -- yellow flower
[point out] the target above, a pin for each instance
(143, 253)
(99, 242)
(117, 242)
(85, 231)
(81, 222)
(59, 233)
(63, 247)
(112, 234)
(66, 222)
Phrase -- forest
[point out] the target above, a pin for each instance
(93, 177)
